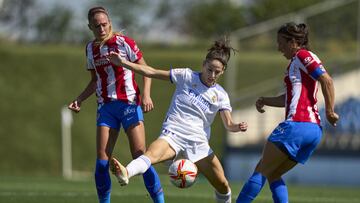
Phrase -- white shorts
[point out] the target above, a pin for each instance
(194, 151)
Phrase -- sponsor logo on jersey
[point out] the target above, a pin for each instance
(307, 60)
(101, 61)
(198, 100)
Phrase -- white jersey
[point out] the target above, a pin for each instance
(194, 106)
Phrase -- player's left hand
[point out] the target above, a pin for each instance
(243, 126)
(260, 104)
(147, 104)
(332, 117)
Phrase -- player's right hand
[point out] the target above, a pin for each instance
(75, 106)
(260, 105)
(115, 58)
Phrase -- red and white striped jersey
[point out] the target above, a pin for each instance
(302, 86)
(114, 82)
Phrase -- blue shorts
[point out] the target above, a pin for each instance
(117, 113)
(297, 139)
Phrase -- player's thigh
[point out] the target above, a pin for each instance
(136, 137)
(160, 150)
(212, 169)
(105, 141)
(272, 158)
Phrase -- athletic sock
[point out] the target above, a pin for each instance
(153, 185)
(223, 198)
(138, 166)
(102, 180)
(279, 191)
(251, 188)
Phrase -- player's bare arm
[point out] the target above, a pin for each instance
(144, 70)
(278, 101)
(230, 125)
(147, 103)
(327, 87)
(88, 91)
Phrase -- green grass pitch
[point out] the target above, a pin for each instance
(57, 190)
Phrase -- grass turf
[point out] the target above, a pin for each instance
(57, 190)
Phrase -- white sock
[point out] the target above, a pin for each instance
(138, 166)
(223, 198)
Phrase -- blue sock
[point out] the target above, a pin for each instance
(153, 185)
(279, 191)
(103, 181)
(251, 188)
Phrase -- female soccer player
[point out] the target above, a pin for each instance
(186, 129)
(295, 139)
(118, 101)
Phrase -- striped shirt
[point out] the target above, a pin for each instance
(114, 82)
(302, 86)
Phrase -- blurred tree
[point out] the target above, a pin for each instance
(125, 14)
(261, 10)
(55, 25)
(213, 18)
(171, 13)
(338, 24)
(266, 9)
(15, 14)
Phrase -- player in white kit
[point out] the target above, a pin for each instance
(186, 129)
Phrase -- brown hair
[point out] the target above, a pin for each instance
(297, 32)
(220, 50)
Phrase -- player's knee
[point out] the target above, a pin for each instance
(136, 153)
(272, 177)
(265, 171)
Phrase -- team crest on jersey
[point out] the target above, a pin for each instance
(193, 85)
(214, 98)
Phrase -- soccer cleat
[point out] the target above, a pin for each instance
(119, 171)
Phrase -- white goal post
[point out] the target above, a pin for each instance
(66, 122)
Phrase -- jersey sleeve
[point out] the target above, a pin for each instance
(133, 51)
(89, 57)
(311, 65)
(179, 75)
(225, 102)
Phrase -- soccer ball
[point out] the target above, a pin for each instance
(183, 173)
